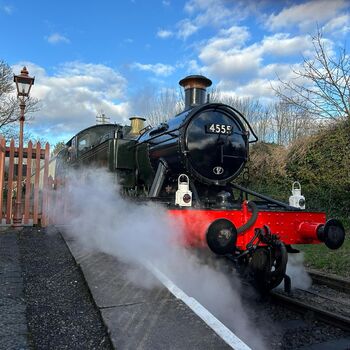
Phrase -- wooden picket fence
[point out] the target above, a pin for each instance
(36, 183)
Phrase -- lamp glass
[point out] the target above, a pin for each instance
(23, 85)
(23, 89)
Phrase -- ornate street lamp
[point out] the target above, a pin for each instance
(23, 84)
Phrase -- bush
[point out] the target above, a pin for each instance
(322, 165)
(267, 170)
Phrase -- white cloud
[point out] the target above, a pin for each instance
(107, 83)
(71, 98)
(209, 12)
(306, 15)
(164, 34)
(244, 65)
(233, 37)
(274, 70)
(202, 13)
(232, 64)
(282, 44)
(338, 26)
(8, 9)
(225, 56)
(193, 67)
(247, 69)
(186, 28)
(56, 38)
(166, 3)
(158, 69)
(256, 88)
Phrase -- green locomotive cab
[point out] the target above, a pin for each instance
(106, 146)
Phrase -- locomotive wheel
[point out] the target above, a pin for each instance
(267, 266)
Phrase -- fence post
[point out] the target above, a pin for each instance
(2, 173)
(10, 183)
(36, 183)
(50, 201)
(28, 183)
(44, 207)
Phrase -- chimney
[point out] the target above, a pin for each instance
(195, 90)
(137, 124)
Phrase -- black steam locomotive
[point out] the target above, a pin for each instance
(188, 164)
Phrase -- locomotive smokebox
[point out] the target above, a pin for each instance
(195, 90)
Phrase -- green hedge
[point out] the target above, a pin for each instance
(267, 173)
(321, 163)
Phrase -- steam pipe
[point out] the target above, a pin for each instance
(251, 220)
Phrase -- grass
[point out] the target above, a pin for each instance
(318, 256)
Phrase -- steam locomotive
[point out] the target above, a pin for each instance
(190, 164)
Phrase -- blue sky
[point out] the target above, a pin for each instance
(92, 56)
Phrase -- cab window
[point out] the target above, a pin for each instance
(84, 143)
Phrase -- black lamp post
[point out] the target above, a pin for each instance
(23, 84)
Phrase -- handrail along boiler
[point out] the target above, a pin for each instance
(189, 164)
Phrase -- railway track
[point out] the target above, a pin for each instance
(338, 283)
(328, 300)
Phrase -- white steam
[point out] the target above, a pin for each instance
(138, 233)
(297, 272)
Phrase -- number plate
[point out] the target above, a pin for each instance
(219, 129)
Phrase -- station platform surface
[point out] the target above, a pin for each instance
(137, 317)
(13, 323)
(44, 300)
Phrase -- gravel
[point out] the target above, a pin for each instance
(284, 329)
(60, 311)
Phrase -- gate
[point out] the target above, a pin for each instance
(35, 186)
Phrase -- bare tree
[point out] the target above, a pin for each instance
(11, 131)
(166, 104)
(256, 113)
(9, 106)
(321, 86)
(289, 123)
(158, 107)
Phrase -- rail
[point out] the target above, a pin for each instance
(335, 282)
(312, 310)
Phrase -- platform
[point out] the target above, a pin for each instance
(137, 317)
(13, 323)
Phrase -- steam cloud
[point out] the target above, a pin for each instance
(296, 270)
(138, 233)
